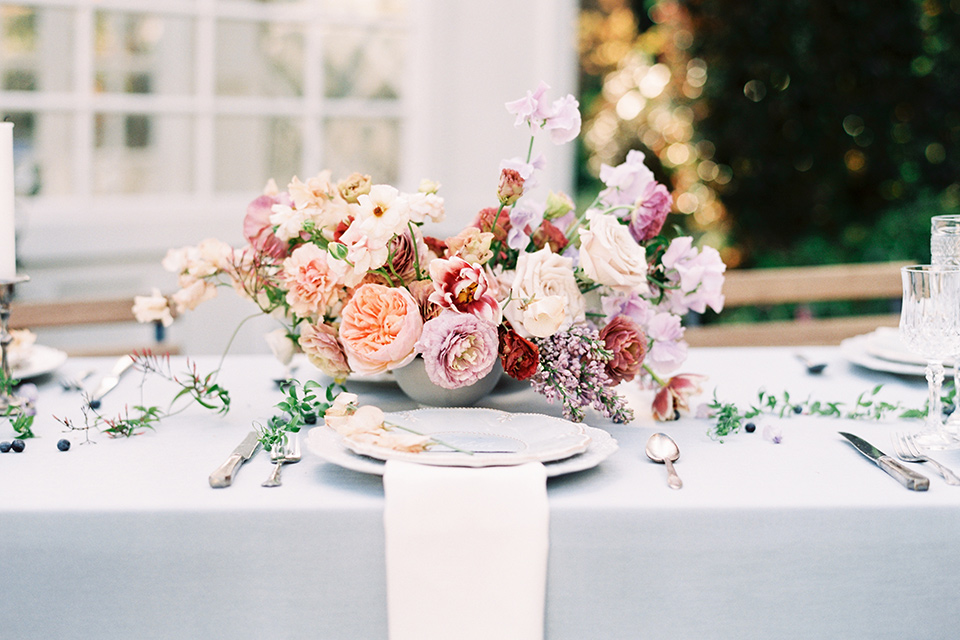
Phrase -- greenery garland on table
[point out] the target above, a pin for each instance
(729, 418)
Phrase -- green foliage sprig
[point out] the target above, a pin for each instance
(20, 415)
(200, 388)
(730, 418)
(300, 406)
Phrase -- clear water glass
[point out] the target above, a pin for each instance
(930, 326)
(945, 240)
(945, 249)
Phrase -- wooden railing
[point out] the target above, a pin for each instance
(79, 313)
(764, 287)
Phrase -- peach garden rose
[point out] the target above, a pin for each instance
(380, 326)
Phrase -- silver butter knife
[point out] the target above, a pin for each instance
(110, 380)
(223, 475)
(907, 477)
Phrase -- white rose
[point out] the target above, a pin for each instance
(282, 347)
(610, 256)
(152, 308)
(544, 297)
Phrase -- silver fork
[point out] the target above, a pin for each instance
(287, 454)
(907, 450)
(75, 382)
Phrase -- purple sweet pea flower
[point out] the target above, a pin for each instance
(524, 220)
(458, 349)
(531, 109)
(564, 121)
(625, 182)
(652, 209)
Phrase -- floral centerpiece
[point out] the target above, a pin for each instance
(574, 302)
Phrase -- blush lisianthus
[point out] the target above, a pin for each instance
(458, 349)
(380, 327)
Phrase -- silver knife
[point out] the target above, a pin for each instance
(223, 475)
(110, 380)
(905, 476)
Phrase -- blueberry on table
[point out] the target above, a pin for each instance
(5, 446)
(18, 445)
(63, 444)
(797, 409)
(750, 427)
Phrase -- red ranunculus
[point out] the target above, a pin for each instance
(519, 356)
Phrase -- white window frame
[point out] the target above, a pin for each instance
(465, 59)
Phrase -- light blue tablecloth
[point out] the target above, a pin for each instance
(803, 539)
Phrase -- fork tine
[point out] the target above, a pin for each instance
(901, 447)
(912, 446)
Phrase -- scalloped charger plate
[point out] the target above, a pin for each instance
(495, 438)
(325, 443)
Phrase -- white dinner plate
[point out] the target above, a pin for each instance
(327, 444)
(885, 343)
(858, 350)
(41, 361)
(494, 437)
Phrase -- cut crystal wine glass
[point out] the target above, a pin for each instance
(930, 326)
(945, 249)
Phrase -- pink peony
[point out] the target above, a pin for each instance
(458, 349)
(313, 280)
(380, 327)
(321, 346)
(461, 286)
(257, 228)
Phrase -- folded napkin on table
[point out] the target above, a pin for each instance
(466, 551)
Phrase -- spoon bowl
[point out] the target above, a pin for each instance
(661, 448)
(812, 367)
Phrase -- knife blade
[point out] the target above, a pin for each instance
(905, 476)
(222, 476)
(110, 380)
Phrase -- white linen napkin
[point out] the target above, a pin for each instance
(466, 551)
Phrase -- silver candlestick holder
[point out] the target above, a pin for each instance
(8, 399)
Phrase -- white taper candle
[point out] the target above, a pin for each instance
(8, 250)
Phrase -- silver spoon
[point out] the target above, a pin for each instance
(812, 367)
(662, 448)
